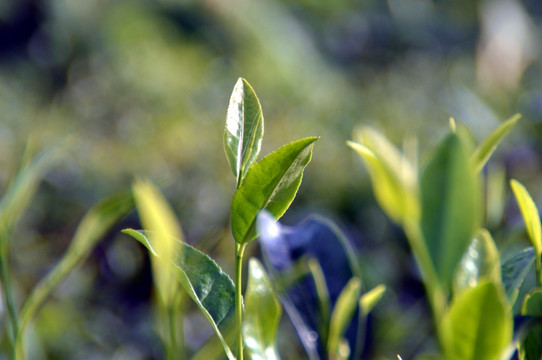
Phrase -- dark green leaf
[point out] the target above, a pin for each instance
(210, 288)
(478, 325)
(483, 152)
(450, 198)
(531, 347)
(244, 129)
(262, 314)
(270, 184)
(480, 261)
(514, 271)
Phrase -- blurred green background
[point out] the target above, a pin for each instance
(141, 89)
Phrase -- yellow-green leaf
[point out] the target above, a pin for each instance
(369, 300)
(530, 214)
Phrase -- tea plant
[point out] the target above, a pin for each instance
(263, 188)
(439, 207)
(91, 229)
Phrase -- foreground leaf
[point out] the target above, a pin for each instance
(483, 152)
(531, 347)
(262, 314)
(478, 325)
(393, 177)
(270, 184)
(514, 271)
(244, 129)
(530, 214)
(450, 205)
(210, 288)
(342, 315)
(480, 262)
(91, 229)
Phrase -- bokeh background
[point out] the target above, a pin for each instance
(140, 88)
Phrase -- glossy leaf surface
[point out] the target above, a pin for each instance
(450, 205)
(244, 129)
(262, 314)
(531, 347)
(480, 262)
(393, 177)
(483, 152)
(342, 315)
(271, 184)
(210, 288)
(530, 215)
(478, 325)
(514, 270)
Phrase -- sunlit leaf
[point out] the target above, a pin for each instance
(514, 270)
(478, 325)
(483, 152)
(244, 129)
(262, 314)
(98, 220)
(270, 184)
(480, 262)
(210, 288)
(530, 214)
(531, 346)
(369, 300)
(342, 315)
(393, 177)
(450, 197)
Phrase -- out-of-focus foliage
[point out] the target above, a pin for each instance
(141, 88)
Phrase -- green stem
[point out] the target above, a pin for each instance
(538, 265)
(172, 348)
(7, 294)
(239, 250)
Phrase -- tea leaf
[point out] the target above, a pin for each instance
(531, 346)
(514, 271)
(262, 314)
(270, 184)
(450, 205)
(342, 314)
(210, 288)
(478, 325)
(393, 177)
(244, 129)
(480, 262)
(530, 215)
(483, 152)
(92, 227)
(369, 300)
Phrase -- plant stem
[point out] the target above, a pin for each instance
(538, 266)
(239, 250)
(172, 351)
(7, 294)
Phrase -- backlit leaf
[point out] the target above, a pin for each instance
(244, 129)
(210, 288)
(369, 300)
(450, 198)
(478, 325)
(530, 215)
(480, 262)
(270, 184)
(262, 314)
(483, 152)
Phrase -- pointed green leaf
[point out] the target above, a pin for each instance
(393, 177)
(483, 152)
(450, 198)
(270, 184)
(530, 214)
(262, 314)
(480, 262)
(210, 288)
(244, 129)
(98, 220)
(531, 346)
(478, 325)
(514, 270)
(369, 300)
(342, 315)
